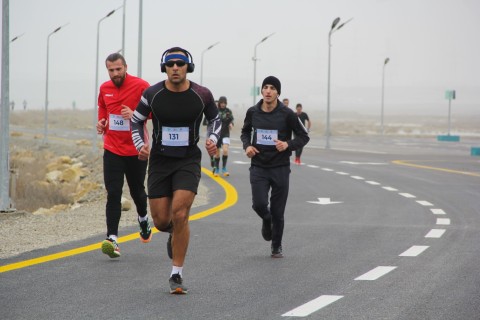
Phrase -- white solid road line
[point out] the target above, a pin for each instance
(414, 251)
(435, 233)
(376, 273)
(310, 307)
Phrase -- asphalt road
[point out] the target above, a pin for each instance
(376, 228)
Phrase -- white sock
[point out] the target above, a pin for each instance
(176, 270)
(140, 219)
(113, 237)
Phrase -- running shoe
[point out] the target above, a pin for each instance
(176, 284)
(215, 172)
(267, 229)
(145, 231)
(169, 246)
(225, 172)
(110, 248)
(277, 252)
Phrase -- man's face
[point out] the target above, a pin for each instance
(299, 110)
(176, 74)
(117, 71)
(286, 102)
(222, 105)
(269, 93)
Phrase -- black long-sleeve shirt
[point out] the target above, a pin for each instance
(260, 128)
(176, 118)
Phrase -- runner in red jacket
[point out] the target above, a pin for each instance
(117, 100)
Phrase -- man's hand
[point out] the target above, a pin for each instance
(127, 113)
(281, 145)
(251, 151)
(101, 125)
(144, 153)
(211, 147)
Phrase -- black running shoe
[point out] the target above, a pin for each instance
(145, 231)
(277, 252)
(169, 246)
(176, 285)
(267, 229)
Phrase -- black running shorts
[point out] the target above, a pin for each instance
(168, 174)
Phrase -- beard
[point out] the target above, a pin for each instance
(118, 81)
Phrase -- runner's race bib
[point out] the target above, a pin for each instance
(117, 123)
(267, 137)
(175, 136)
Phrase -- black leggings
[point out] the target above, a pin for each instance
(277, 179)
(115, 167)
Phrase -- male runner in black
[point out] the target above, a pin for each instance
(267, 141)
(177, 106)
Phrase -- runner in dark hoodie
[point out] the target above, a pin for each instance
(267, 141)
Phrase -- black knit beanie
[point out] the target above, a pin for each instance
(274, 82)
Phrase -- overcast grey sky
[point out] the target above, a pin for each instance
(432, 45)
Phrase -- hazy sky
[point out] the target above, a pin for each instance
(433, 45)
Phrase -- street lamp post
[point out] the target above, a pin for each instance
(383, 88)
(94, 141)
(45, 129)
(201, 61)
(254, 90)
(123, 27)
(5, 204)
(140, 37)
(335, 27)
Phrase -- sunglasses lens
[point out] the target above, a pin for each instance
(171, 63)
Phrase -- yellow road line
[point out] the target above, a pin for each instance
(405, 163)
(231, 198)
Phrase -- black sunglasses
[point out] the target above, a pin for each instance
(171, 63)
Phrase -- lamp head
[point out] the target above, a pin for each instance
(335, 22)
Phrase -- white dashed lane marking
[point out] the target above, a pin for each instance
(357, 178)
(414, 251)
(443, 221)
(435, 233)
(407, 195)
(310, 307)
(376, 273)
(390, 189)
(425, 203)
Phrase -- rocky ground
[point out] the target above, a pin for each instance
(43, 172)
